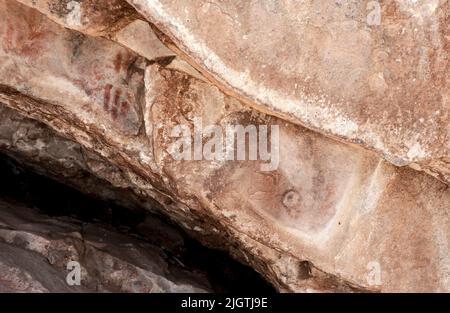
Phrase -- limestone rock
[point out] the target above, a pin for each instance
(96, 18)
(106, 196)
(374, 73)
(113, 19)
(42, 149)
(35, 252)
(331, 216)
(340, 218)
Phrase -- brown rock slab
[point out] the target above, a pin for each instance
(374, 73)
(340, 207)
(36, 250)
(329, 217)
(113, 19)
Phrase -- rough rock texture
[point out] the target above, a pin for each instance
(330, 209)
(36, 249)
(37, 150)
(96, 18)
(113, 19)
(324, 65)
(308, 207)
(38, 146)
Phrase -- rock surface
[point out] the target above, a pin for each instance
(331, 66)
(105, 209)
(36, 249)
(340, 218)
(113, 19)
(96, 18)
(330, 213)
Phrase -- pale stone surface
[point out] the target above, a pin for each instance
(113, 19)
(35, 251)
(139, 37)
(96, 18)
(340, 207)
(330, 215)
(325, 65)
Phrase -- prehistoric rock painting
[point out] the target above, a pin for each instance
(110, 83)
(311, 141)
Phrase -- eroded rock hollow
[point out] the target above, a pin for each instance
(308, 140)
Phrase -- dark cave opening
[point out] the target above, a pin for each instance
(21, 184)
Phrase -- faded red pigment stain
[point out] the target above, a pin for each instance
(124, 108)
(118, 62)
(24, 36)
(107, 97)
(116, 105)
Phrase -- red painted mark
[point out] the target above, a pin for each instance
(118, 62)
(117, 97)
(114, 113)
(124, 108)
(115, 108)
(107, 96)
